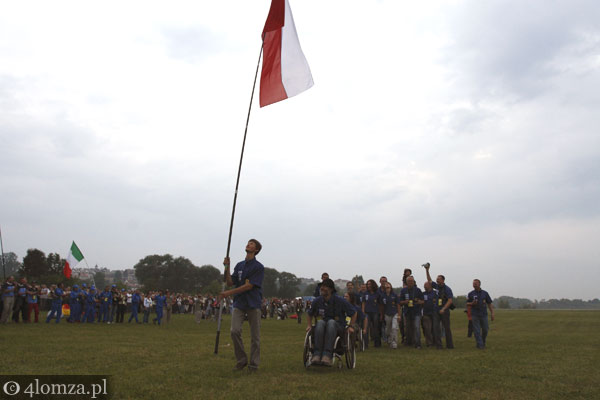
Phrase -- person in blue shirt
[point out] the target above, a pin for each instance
(430, 307)
(382, 326)
(480, 301)
(90, 305)
(247, 277)
(105, 302)
(317, 292)
(444, 304)
(161, 300)
(75, 304)
(57, 294)
(411, 298)
(333, 311)
(361, 319)
(372, 306)
(135, 303)
(391, 311)
(8, 299)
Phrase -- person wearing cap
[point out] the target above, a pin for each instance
(333, 311)
(135, 303)
(57, 294)
(75, 304)
(90, 305)
(247, 277)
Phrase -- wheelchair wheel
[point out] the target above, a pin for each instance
(350, 350)
(307, 353)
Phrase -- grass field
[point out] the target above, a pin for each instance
(530, 355)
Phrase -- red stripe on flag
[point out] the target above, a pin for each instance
(271, 83)
(67, 270)
(276, 17)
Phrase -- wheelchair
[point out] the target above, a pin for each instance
(343, 347)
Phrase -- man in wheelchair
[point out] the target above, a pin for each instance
(332, 310)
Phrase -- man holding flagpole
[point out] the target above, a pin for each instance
(248, 278)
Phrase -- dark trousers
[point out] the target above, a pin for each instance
(373, 330)
(440, 320)
(20, 307)
(427, 322)
(121, 312)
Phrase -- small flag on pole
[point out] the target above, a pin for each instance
(73, 259)
(285, 72)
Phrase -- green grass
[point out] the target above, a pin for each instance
(530, 355)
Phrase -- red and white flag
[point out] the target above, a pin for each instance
(285, 72)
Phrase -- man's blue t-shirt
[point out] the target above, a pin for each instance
(372, 301)
(253, 272)
(483, 299)
(160, 301)
(411, 294)
(444, 293)
(390, 303)
(431, 302)
(58, 299)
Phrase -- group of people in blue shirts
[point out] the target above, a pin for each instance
(380, 312)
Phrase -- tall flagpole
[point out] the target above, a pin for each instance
(2, 247)
(237, 185)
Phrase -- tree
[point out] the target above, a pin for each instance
(460, 301)
(503, 304)
(35, 264)
(270, 287)
(309, 290)
(357, 281)
(208, 274)
(100, 280)
(118, 276)
(288, 285)
(55, 263)
(11, 264)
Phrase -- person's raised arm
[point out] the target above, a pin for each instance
(427, 272)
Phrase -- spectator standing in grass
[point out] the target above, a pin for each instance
(160, 300)
(8, 298)
(480, 301)
(57, 293)
(33, 302)
(135, 303)
(147, 307)
(21, 301)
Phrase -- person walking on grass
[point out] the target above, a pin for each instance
(442, 316)
(479, 300)
(247, 277)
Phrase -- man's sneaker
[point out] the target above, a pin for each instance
(327, 361)
(239, 367)
(315, 360)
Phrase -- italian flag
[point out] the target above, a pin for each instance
(73, 259)
(285, 72)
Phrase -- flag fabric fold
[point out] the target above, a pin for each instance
(74, 258)
(285, 71)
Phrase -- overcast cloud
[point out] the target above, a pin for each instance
(463, 133)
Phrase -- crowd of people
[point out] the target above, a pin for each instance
(381, 313)
(23, 302)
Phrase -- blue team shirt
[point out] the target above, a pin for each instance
(8, 286)
(411, 294)
(136, 298)
(372, 301)
(431, 302)
(160, 301)
(74, 296)
(444, 293)
(59, 293)
(106, 297)
(91, 297)
(390, 303)
(483, 299)
(251, 271)
(32, 298)
(337, 308)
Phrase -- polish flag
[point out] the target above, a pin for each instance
(285, 72)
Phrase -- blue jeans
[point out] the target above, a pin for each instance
(325, 334)
(480, 329)
(56, 310)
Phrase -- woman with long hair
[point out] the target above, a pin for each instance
(373, 307)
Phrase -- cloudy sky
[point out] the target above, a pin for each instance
(463, 133)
